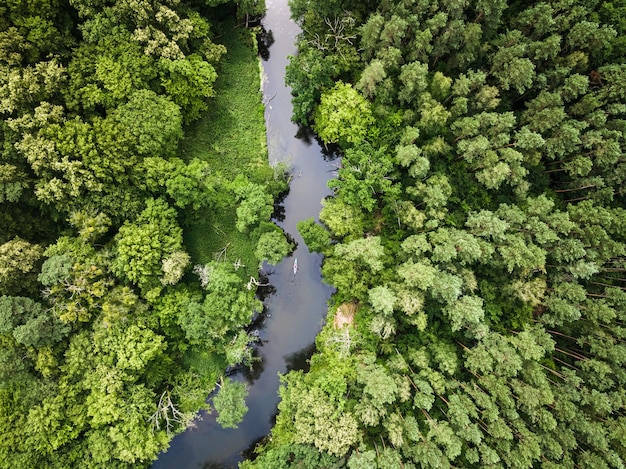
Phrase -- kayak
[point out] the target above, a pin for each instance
(295, 265)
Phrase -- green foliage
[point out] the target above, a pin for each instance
(230, 141)
(12, 183)
(227, 307)
(143, 247)
(316, 418)
(343, 116)
(341, 218)
(230, 404)
(308, 73)
(94, 96)
(153, 120)
(173, 267)
(301, 456)
(364, 177)
(485, 251)
(188, 185)
(107, 72)
(188, 82)
(29, 324)
(55, 269)
(369, 252)
(251, 7)
(255, 204)
(20, 86)
(315, 236)
(75, 162)
(272, 247)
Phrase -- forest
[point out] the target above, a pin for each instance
(476, 236)
(135, 199)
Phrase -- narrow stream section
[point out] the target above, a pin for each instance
(296, 308)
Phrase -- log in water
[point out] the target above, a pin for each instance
(296, 309)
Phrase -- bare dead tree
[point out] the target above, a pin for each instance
(221, 255)
(338, 27)
(256, 283)
(342, 340)
(204, 274)
(336, 34)
(167, 414)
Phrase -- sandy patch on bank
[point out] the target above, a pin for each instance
(344, 315)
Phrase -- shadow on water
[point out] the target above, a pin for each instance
(279, 213)
(300, 360)
(265, 39)
(212, 465)
(305, 134)
(265, 288)
(250, 453)
(330, 151)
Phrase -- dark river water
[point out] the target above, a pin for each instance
(296, 308)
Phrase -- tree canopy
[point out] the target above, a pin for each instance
(476, 231)
(109, 344)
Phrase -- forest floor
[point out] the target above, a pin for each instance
(232, 137)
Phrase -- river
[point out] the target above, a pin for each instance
(296, 307)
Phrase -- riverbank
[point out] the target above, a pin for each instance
(110, 344)
(231, 136)
(296, 305)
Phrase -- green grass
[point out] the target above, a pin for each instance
(231, 137)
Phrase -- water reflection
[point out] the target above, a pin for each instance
(253, 372)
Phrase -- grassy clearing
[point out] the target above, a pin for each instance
(231, 136)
